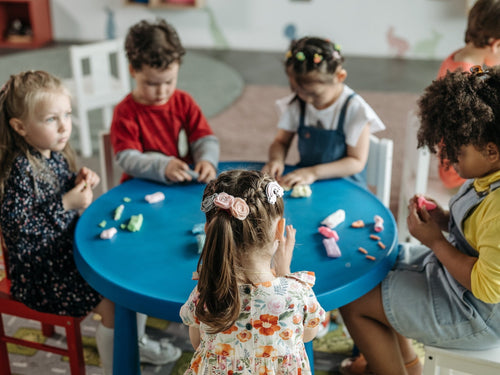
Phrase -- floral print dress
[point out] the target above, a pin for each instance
(38, 234)
(267, 336)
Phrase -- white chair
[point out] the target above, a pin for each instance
(440, 361)
(379, 168)
(414, 176)
(100, 80)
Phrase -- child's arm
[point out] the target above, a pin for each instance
(352, 163)
(425, 229)
(310, 333)
(194, 336)
(277, 153)
(153, 166)
(206, 152)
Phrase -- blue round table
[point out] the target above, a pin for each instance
(150, 271)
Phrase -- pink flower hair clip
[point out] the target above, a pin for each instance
(234, 205)
(273, 191)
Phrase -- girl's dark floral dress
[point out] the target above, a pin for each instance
(38, 234)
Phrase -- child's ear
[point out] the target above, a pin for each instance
(495, 45)
(280, 229)
(18, 126)
(341, 75)
(492, 152)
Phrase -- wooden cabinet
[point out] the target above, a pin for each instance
(25, 23)
(179, 4)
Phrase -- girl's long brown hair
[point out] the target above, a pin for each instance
(228, 240)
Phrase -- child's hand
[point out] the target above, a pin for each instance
(79, 197)
(206, 171)
(176, 171)
(90, 177)
(283, 255)
(437, 214)
(302, 176)
(422, 226)
(274, 168)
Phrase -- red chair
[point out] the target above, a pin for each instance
(11, 307)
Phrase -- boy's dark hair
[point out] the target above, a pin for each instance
(483, 23)
(460, 109)
(153, 44)
(313, 55)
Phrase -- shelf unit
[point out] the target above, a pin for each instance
(33, 13)
(176, 4)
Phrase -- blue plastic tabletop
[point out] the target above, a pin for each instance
(150, 271)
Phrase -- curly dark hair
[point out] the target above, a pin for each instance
(313, 55)
(483, 23)
(460, 109)
(153, 44)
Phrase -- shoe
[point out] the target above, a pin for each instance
(157, 353)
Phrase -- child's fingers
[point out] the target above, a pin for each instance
(80, 186)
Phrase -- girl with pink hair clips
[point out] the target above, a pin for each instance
(244, 316)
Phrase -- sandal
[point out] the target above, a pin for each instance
(359, 366)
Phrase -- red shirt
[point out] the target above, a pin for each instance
(156, 127)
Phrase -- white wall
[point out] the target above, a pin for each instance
(422, 29)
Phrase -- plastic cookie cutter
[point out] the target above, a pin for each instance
(331, 247)
(422, 202)
(334, 219)
(379, 223)
(108, 234)
(155, 197)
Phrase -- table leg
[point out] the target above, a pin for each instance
(125, 350)
(310, 354)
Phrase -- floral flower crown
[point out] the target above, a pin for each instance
(237, 206)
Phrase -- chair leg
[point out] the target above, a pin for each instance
(85, 137)
(75, 347)
(4, 355)
(47, 329)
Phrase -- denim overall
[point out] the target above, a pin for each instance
(422, 300)
(318, 146)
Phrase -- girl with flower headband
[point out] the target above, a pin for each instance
(446, 291)
(332, 122)
(245, 317)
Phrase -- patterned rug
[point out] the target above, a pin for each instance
(329, 350)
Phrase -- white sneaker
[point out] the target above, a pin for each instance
(153, 352)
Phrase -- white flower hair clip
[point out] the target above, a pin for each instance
(234, 205)
(273, 191)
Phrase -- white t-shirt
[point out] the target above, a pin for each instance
(358, 114)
